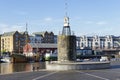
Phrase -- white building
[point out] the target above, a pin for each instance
(98, 42)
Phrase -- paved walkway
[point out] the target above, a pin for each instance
(105, 74)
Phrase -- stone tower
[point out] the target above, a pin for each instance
(66, 44)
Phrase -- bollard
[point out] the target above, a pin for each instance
(37, 68)
(33, 69)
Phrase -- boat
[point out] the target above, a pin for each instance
(5, 59)
(18, 57)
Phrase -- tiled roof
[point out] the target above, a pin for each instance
(8, 33)
(11, 33)
(40, 33)
(43, 45)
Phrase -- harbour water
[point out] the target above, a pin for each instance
(6, 68)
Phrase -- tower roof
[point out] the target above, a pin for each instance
(66, 21)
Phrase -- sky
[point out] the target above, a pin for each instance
(87, 17)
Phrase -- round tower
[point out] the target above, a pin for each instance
(66, 44)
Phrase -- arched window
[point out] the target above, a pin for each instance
(82, 45)
(109, 45)
(96, 44)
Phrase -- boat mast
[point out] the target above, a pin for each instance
(26, 34)
(26, 37)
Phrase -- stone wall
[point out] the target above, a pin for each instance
(66, 48)
(78, 66)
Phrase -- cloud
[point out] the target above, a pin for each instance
(96, 22)
(101, 23)
(48, 19)
(9, 28)
(89, 22)
(52, 20)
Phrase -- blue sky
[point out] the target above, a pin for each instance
(87, 17)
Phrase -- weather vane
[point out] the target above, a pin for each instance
(66, 7)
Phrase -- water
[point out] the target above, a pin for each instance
(6, 68)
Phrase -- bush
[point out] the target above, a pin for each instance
(51, 58)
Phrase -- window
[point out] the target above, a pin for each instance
(96, 44)
(109, 45)
(16, 35)
(82, 45)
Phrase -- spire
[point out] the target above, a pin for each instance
(66, 29)
(26, 34)
(26, 26)
(66, 7)
(66, 18)
(26, 30)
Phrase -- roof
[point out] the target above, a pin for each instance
(21, 32)
(8, 33)
(42, 33)
(43, 45)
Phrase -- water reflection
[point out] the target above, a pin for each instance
(6, 68)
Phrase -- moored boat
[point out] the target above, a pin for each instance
(5, 59)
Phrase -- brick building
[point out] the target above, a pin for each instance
(39, 48)
(13, 42)
(45, 37)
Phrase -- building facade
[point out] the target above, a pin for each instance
(0, 45)
(98, 42)
(42, 37)
(13, 42)
(35, 38)
(39, 48)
